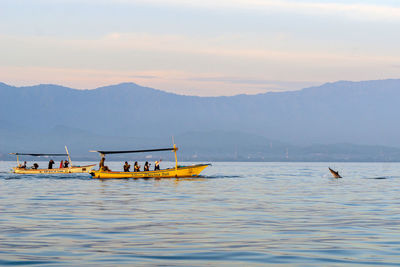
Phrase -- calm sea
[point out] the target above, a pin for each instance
(237, 214)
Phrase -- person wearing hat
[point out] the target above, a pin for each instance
(157, 165)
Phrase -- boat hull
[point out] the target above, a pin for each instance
(73, 169)
(188, 171)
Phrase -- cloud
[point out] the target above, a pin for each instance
(177, 57)
(145, 76)
(255, 81)
(353, 10)
(240, 45)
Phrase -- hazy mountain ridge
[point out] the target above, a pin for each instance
(114, 116)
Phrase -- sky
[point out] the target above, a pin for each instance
(198, 47)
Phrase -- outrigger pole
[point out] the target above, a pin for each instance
(133, 151)
(37, 155)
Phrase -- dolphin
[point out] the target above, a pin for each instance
(335, 173)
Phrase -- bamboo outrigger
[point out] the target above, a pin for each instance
(70, 169)
(177, 172)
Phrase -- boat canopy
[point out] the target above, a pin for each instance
(37, 155)
(135, 151)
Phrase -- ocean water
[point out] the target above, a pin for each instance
(237, 214)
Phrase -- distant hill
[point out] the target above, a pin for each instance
(271, 126)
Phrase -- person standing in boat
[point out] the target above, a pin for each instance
(157, 165)
(51, 162)
(136, 167)
(126, 167)
(66, 163)
(101, 164)
(61, 164)
(146, 166)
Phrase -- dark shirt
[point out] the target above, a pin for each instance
(127, 167)
(51, 164)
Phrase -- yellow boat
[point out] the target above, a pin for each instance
(71, 169)
(177, 172)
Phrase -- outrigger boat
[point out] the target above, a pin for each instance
(70, 169)
(177, 172)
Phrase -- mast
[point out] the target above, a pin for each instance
(176, 158)
(69, 158)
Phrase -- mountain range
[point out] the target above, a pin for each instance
(341, 121)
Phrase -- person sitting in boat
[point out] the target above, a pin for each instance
(126, 167)
(61, 164)
(146, 166)
(66, 163)
(157, 165)
(51, 162)
(102, 167)
(24, 165)
(136, 167)
(35, 166)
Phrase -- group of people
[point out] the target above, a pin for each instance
(146, 167)
(35, 166)
(127, 166)
(63, 164)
